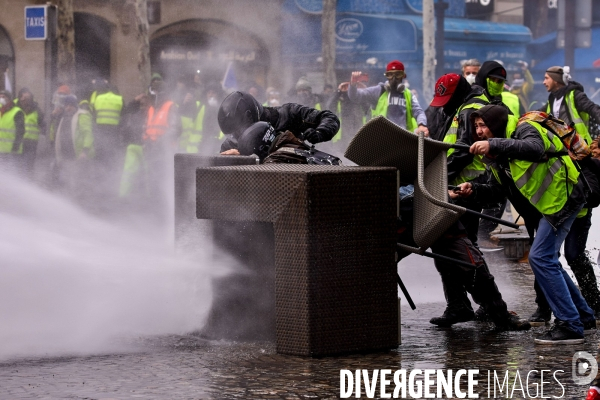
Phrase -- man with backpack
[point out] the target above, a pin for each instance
(542, 182)
(569, 103)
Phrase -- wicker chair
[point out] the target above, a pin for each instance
(420, 161)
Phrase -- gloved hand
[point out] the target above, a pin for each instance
(312, 135)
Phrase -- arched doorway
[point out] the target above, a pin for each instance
(209, 46)
(92, 50)
(7, 62)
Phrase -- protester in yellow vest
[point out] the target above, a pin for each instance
(106, 107)
(542, 183)
(522, 85)
(351, 115)
(568, 102)
(459, 99)
(511, 101)
(212, 137)
(74, 144)
(303, 94)
(135, 114)
(12, 131)
(192, 119)
(34, 126)
(391, 99)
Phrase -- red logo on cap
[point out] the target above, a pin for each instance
(441, 89)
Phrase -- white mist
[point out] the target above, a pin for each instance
(73, 283)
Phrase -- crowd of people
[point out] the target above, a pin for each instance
(545, 162)
(103, 149)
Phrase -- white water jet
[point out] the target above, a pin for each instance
(73, 283)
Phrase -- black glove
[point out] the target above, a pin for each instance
(312, 135)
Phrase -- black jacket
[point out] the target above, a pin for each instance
(465, 134)
(438, 123)
(590, 167)
(582, 103)
(481, 78)
(297, 119)
(525, 144)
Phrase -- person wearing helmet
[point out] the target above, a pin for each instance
(240, 110)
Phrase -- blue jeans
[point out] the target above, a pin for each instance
(564, 298)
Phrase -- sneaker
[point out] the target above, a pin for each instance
(593, 393)
(452, 317)
(560, 334)
(540, 317)
(481, 315)
(514, 323)
(589, 326)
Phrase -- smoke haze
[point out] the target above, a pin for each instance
(72, 283)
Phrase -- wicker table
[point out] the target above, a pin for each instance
(333, 249)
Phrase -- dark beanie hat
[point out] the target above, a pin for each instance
(556, 73)
(495, 117)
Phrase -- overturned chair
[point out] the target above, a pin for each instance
(422, 162)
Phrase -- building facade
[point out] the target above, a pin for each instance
(185, 36)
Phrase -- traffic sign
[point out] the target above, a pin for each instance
(36, 22)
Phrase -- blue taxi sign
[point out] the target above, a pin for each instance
(36, 26)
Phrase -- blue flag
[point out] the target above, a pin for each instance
(229, 80)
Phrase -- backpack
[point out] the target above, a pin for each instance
(288, 149)
(576, 146)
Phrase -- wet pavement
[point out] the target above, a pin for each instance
(189, 367)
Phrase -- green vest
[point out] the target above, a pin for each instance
(450, 136)
(132, 170)
(8, 130)
(191, 131)
(511, 101)
(580, 120)
(477, 167)
(107, 107)
(32, 127)
(82, 129)
(547, 185)
(382, 107)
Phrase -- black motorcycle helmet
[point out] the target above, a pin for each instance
(256, 139)
(238, 111)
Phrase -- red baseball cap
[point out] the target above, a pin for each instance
(444, 89)
(395, 66)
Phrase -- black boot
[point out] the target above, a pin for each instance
(481, 315)
(513, 323)
(451, 317)
(540, 317)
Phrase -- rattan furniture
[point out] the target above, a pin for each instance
(420, 161)
(333, 249)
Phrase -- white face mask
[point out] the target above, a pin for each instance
(3, 101)
(471, 79)
(213, 102)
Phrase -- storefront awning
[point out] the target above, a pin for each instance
(369, 41)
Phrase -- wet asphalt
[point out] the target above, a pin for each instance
(191, 367)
